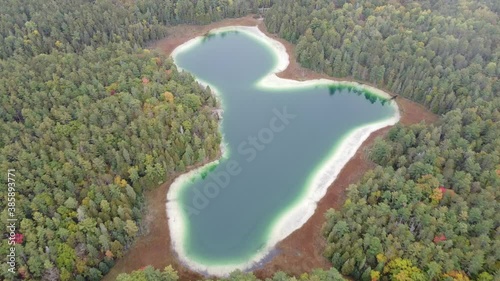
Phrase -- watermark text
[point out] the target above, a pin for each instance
(11, 220)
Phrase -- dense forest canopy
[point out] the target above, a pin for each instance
(90, 120)
(440, 58)
(169, 274)
(31, 28)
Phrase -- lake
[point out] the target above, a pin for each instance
(284, 142)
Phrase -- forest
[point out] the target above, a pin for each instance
(91, 119)
(169, 274)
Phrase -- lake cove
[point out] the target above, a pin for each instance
(284, 142)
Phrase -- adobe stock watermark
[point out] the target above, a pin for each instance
(11, 221)
(248, 148)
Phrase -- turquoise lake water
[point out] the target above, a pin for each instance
(276, 141)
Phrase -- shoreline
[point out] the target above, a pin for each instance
(296, 213)
(302, 250)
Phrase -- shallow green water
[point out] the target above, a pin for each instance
(277, 140)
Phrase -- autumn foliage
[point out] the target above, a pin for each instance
(439, 238)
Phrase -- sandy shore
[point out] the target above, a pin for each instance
(302, 250)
